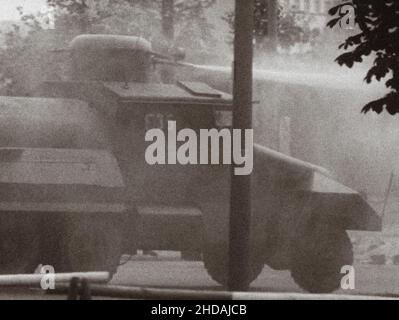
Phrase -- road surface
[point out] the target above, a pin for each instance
(369, 279)
(171, 272)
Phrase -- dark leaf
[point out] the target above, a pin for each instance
(346, 59)
(333, 22)
(333, 11)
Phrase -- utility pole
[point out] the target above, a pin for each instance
(240, 209)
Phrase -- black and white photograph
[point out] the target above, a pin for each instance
(174, 150)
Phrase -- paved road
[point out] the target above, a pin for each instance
(173, 273)
(369, 279)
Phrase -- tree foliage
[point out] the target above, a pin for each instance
(25, 57)
(378, 22)
(292, 28)
(137, 17)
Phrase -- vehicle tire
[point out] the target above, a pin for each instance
(94, 246)
(216, 264)
(19, 245)
(317, 262)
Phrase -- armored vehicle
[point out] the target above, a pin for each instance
(78, 192)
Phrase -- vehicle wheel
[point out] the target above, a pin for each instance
(317, 262)
(19, 245)
(215, 262)
(93, 246)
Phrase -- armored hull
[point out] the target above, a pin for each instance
(299, 213)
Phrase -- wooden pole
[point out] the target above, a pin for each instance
(138, 293)
(242, 119)
(34, 280)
